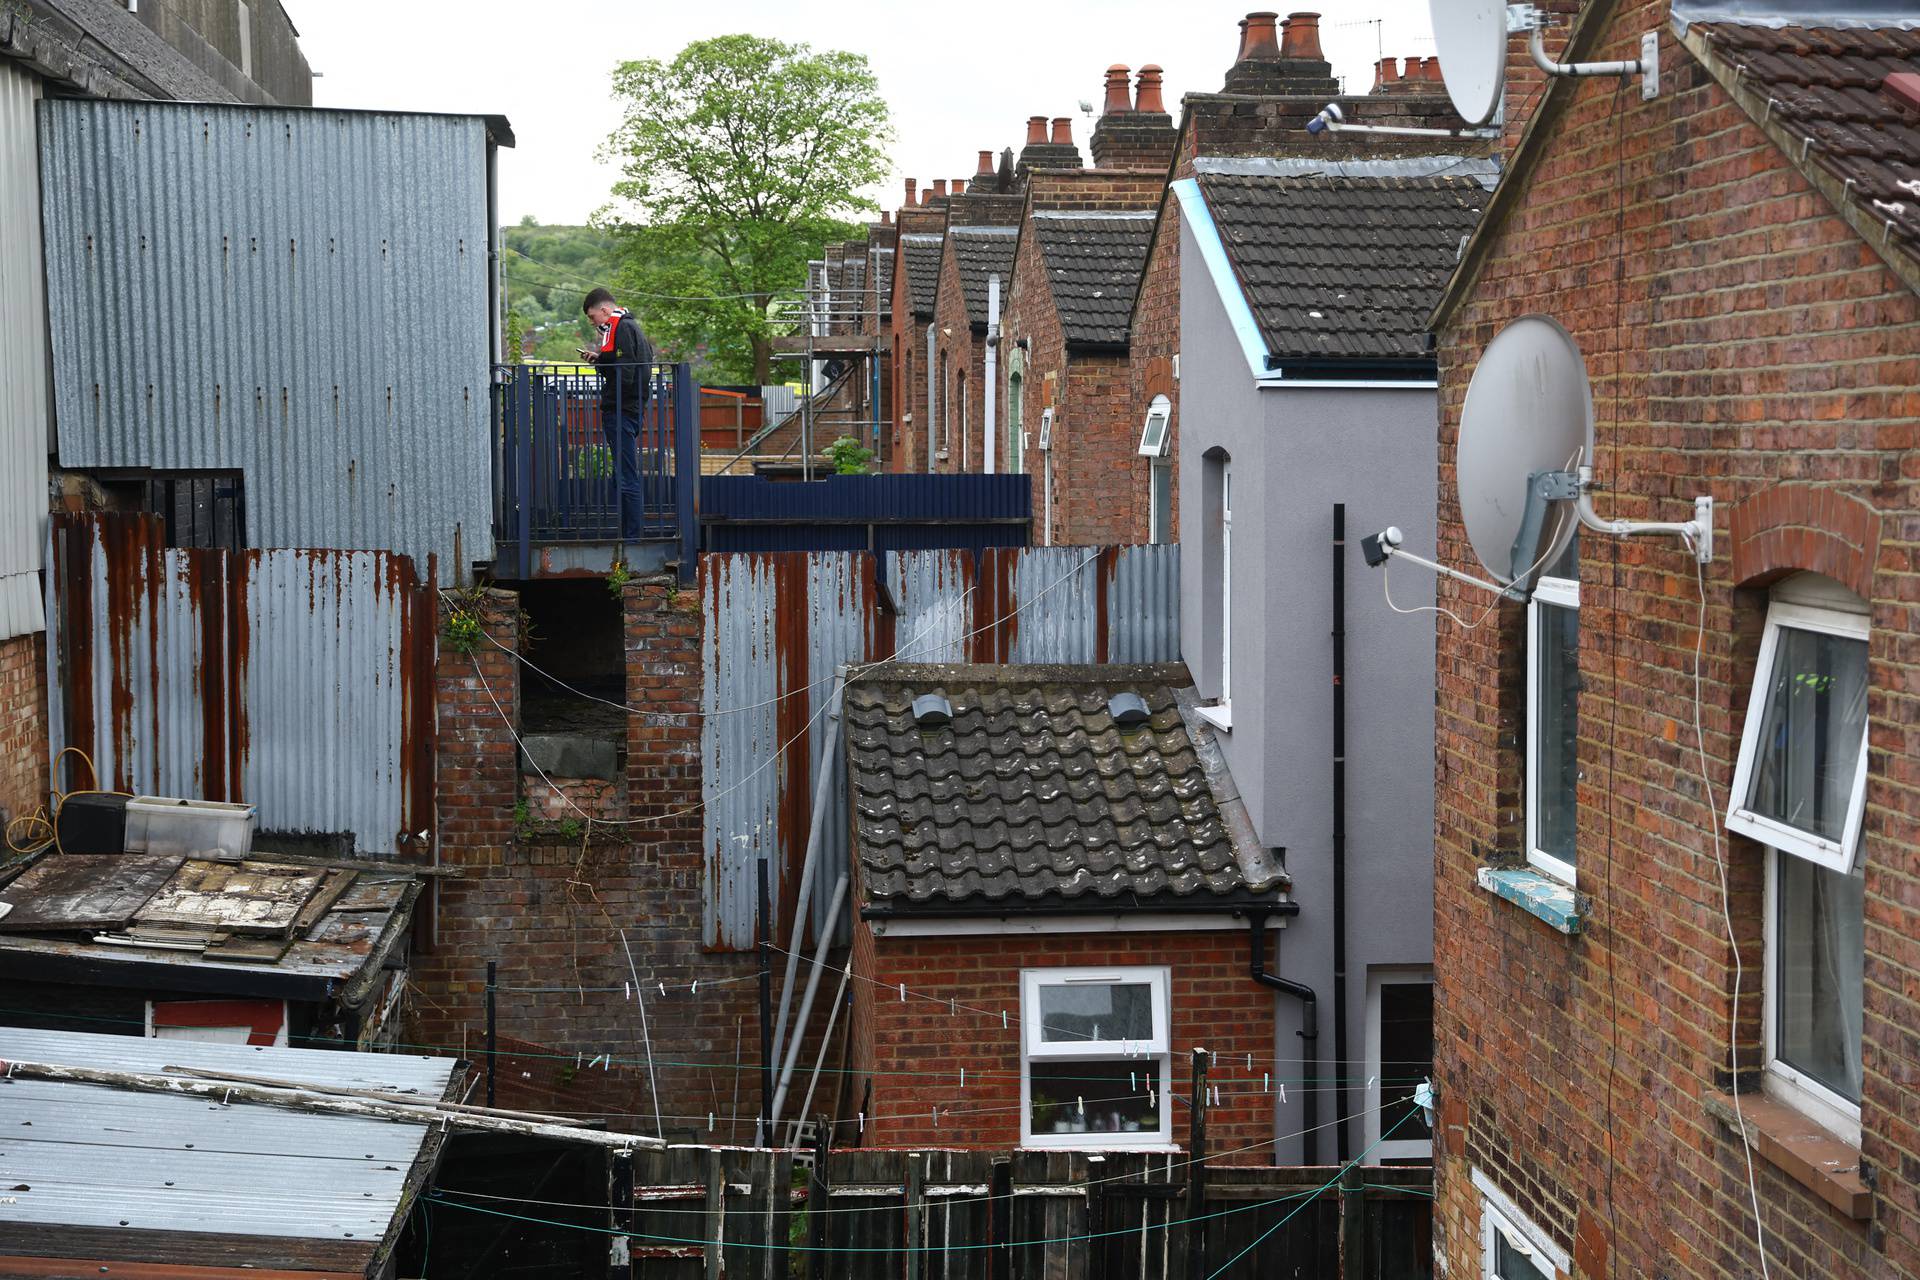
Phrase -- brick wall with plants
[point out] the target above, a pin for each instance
(914, 1050)
(572, 911)
(23, 728)
(1742, 342)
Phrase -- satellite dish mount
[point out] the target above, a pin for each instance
(1524, 469)
(1525, 17)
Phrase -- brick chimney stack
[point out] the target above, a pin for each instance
(1132, 135)
(1048, 152)
(1281, 58)
(1386, 75)
(983, 175)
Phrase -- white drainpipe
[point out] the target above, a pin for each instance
(993, 364)
(933, 389)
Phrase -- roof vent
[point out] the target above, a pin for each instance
(1129, 710)
(931, 711)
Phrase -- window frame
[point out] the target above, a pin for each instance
(1159, 527)
(1781, 1080)
(1159, 979)
(1150, 446)
(1841, 857)
(1557, 593)
(1391, 1148)
(1498, 1213)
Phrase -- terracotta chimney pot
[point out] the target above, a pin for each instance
(986, 165)
(1387, 73)
(939, 188)
(1118, 99)
(1261, 43)
(1036, 130)
(1063, 131)
(1147, 90)
(912, 185)
(1240, 53)
(958, 186)
(1432, 68)
(926, 197)
(1303, 37)
(886, 218)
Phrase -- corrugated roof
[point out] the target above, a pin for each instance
(983, 252)
(923, 271)
(301, 295)
(125, 1173)
(1343, 268)
(1093, 264)
(1034, 798)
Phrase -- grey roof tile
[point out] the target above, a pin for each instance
(1093, 264)
(922, 253)
(1343, 267)
(982, 252)
(1032, 796)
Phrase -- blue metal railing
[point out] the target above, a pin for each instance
(557, 471)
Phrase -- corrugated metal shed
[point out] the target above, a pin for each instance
(298, 294)
(300, 681)
(780, 624)
(24, 400)
(111, 1172)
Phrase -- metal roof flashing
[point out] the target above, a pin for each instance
(1898, 14)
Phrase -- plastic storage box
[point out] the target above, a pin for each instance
(190, 828)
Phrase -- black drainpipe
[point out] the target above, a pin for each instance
(1309, 1030)
(1340, 824)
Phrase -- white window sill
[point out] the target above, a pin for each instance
(1150, 1145)
(1220, 717)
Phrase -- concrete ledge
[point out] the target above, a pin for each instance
(1822, 1163)
(1537, 895)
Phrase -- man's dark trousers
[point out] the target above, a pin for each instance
(622, 430)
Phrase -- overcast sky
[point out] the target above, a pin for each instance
(958, 77)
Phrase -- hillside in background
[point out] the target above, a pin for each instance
(547, 271)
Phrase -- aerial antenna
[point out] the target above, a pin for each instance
(1471, 38)
(1523, 465)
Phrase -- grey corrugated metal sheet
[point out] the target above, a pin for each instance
(24, 399)
(299, 681)
(780, 624)
(82, 1155)
(298, 294)
(778, 403)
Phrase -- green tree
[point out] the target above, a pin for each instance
(740, 160)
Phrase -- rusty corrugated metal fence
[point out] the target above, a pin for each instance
(781, 624)
(299, 681)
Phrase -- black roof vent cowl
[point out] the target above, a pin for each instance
(1129, 710)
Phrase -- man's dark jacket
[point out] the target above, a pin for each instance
(625, 366)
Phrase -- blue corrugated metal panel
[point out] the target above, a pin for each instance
(869, 499)
(1143, 605)
(1061, 587)
(301, 295)
(293, 680)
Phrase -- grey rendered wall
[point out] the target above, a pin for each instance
(301, 295)
(1295, 453)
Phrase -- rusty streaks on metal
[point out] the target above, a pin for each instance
(1108, 561)
(207, 588)
(794, 811)
(74, 541)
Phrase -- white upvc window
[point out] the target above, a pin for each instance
(1801, 780)
(1399, 1057)
(1511, 1247)
(1154, 435)
(1156, 444)
(1095, 1054)
(1553, 721)
(1798, 788)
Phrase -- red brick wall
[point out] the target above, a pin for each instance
(551, 911)
(23, 727)
(1154, 341)
(915, 1049)
(964, 357)
(907, 334)
(1739, 335)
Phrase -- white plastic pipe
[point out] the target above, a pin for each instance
(1537, 47)
(933, 389)
(993, 364)
(806, 1005)
(814, 831)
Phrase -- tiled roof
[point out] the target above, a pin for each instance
(883, 279)
(982, 252)
(1823, 89)
(1343, 268)
(923, 271)
(1094, 263)
(1032, 798)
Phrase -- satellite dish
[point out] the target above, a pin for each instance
(1471, 39)
(1529, 409)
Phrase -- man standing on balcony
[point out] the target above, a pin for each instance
(625, 365)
